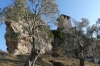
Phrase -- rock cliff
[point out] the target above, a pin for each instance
(18, 40)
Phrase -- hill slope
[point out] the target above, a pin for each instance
(43, 60)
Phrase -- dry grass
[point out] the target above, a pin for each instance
(42, 61)
(12, 61)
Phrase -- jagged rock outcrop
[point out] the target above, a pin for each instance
(15, 45)
(19, 42)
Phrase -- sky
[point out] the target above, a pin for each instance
(76, 9)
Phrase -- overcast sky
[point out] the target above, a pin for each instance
(77, 9)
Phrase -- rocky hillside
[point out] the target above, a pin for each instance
(18, 39)
(43, 60)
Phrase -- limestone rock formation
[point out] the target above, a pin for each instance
(16, 44)
(18, 40)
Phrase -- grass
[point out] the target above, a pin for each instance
(43, 60)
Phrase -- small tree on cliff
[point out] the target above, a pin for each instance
(33, 17)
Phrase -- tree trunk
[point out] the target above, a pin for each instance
(32, 58)
(81, 58)
(81, 62)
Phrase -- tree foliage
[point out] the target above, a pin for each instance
(32, 15)
(83, 37)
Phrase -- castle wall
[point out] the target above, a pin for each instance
(64, 23)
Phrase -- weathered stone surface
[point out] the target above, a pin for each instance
(18, 45)
(19, 42)
(64, 23)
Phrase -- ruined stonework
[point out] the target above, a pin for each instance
(64, 23)
(19, 42)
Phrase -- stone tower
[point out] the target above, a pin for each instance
(64, 23)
